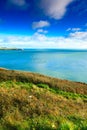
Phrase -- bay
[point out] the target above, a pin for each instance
(64, 64)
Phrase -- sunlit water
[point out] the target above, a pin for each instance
(64, 64)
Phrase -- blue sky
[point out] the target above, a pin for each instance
(43, 24)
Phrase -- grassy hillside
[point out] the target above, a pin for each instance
(31, 101)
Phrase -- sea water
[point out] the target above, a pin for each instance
(64, 64)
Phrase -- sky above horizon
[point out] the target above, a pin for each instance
(43, 24)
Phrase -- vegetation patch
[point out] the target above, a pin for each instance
(28, 105)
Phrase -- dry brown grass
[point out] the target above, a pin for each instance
(65, 85)
(38, 101)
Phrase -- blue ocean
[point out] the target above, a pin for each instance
(63, 64)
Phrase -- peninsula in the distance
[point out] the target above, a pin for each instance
(5, 48)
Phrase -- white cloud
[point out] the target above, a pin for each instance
(75, 40)
(73, 29)
(40, 24)
(39, 37)
(79, 35)
(42, 31)
(55, 8)
(69, 29)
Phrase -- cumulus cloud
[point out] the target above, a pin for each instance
(40, 24)
(79, 35)
(42, 31)
(73, 29)
(75, 40)
(39, 37)
(55, 8)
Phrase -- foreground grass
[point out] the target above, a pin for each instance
(30, 101)
(37, 106)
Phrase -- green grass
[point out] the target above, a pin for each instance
(40, 123)
(63, 93)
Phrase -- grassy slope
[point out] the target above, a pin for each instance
(31, 101)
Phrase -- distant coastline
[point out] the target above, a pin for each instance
(5, 48)
(46, 49)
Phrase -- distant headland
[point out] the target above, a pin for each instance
(5, 48)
